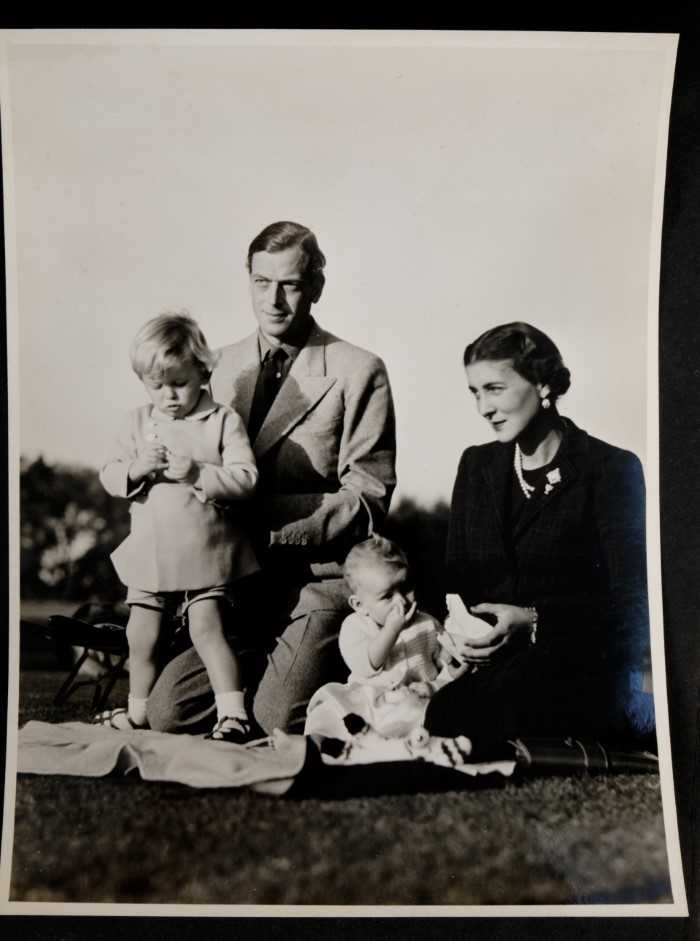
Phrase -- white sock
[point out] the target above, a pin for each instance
(137, 710)
(230, 704)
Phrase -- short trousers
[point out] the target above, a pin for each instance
(176, 602)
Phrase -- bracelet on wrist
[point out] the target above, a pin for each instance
(532, 611)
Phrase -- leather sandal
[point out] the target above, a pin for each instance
(117, 719)
(231, 729)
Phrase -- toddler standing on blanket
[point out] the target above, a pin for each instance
(392, 649)
(180, 460)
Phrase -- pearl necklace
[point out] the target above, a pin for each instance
(553, 476)
(527, 489)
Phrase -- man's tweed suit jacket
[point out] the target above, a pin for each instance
(326, 450)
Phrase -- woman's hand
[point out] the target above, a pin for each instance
(511, 620)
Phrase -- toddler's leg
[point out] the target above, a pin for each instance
(207, 634)
(142, 634)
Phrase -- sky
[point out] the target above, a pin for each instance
(454, 181)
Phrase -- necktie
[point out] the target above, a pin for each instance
(270, 378)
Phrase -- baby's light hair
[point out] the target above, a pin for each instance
(370, 552)
(167, 341)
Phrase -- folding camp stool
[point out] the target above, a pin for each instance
(95, 629)
(101, 628)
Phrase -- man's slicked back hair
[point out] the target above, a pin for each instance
(280, 235)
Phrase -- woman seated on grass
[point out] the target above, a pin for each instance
(546, 542)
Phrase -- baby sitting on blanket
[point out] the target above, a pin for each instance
(394, 651)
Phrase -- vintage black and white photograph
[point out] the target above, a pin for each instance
(334, 473)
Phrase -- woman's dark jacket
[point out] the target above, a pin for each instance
(576, 554)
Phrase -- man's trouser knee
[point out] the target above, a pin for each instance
(281, 683)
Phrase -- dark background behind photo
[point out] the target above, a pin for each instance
(680, 509)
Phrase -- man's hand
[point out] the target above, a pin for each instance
(150, 459)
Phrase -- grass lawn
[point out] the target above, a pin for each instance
(539, 840)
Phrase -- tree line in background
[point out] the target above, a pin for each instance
(70, 525)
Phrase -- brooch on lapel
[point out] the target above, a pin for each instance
(553, 478)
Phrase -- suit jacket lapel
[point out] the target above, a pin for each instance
(568, 460)
(246, 370)
(305, 385)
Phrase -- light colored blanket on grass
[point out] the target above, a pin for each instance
(82, 749)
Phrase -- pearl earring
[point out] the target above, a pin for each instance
(545, 402)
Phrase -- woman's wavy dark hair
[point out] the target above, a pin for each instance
(533, 355)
